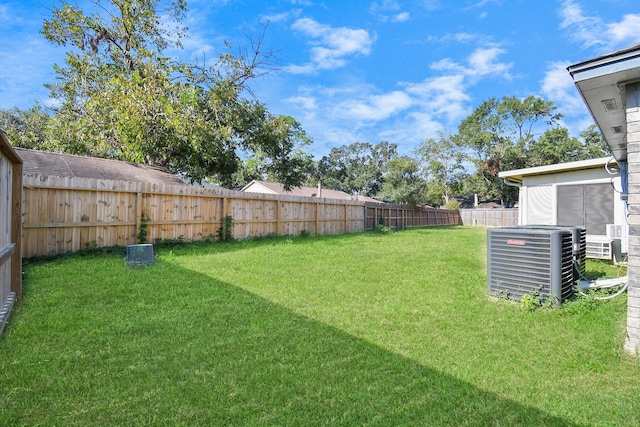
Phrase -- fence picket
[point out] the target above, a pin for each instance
(74, 213)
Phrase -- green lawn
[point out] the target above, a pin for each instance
(368, 329)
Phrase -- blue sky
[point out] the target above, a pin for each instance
(371, 71)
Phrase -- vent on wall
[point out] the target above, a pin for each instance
(614, 231)
(523, 260)
(600, 247)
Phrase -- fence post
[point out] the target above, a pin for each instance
(16, 228)
(346, 219)
(278, 216)
(138, 213)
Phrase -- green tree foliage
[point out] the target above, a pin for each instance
(403, 183)
(442, 168)
(357, 168)
(122, 97)
(25, 128)
(288, 138)
(497, 136)
(594, 145)
(556, 146)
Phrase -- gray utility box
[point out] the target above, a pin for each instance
(523, 260)
(140, 254)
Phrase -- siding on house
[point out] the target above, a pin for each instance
(633, 157)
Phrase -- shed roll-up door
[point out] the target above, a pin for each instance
(586, 205)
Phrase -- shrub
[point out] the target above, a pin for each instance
(453, 205)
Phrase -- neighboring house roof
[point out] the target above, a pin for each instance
(265, 187)
(600, 82)
(517, 174)
(68, 165)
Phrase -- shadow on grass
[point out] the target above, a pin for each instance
(189, 350)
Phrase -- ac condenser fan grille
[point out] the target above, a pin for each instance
(528, 259)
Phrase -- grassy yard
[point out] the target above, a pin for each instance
(369, 329)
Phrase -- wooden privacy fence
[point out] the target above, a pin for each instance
(10, 231)
(403, 216)
(490, 217)
(63, 214)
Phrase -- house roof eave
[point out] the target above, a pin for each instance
(601, 82)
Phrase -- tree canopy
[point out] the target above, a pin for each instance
(358, 168)
(403, 183)
(121, 96)
(513, 133)
(442, 168)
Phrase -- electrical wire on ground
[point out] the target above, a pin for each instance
(601, 284)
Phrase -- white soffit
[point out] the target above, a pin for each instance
(601, 82)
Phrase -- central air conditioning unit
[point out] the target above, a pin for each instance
(542, 259)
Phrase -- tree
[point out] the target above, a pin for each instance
(594, 144)
(403, 183)
(356, 168)
(496, 137)
(442, 168)
(288, 137)
(25, 128)
(122, 97)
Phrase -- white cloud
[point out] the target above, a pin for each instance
(384, 6)
(307, 103)
(401, 17)
(447, 64)
(331, 46)
(301, 69)
(414, 128)
(389, 10)
(482, 3)
(281, 17)
(442, 96)
(375, 107)
(558, 87)
(460, 38)
(625, 31)
(407, 114)
(592, 31)
(482, 62)
(197, 45)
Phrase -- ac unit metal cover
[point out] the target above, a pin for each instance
(523, 260)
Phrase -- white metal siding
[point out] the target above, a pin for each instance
(540, 205)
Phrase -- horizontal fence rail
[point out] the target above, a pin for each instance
(66, 214)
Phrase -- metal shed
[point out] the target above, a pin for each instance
(584, 194)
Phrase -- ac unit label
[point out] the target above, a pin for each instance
(516, 242)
